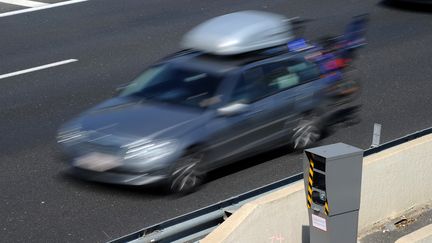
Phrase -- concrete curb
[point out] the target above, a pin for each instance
(423, 235)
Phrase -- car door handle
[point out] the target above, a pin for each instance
(252, 113)
(305, 95)
(289, 98)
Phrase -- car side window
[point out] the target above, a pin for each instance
(280, 79)
(292, 73)
(259, 82)
(251, 87)
(306, 71)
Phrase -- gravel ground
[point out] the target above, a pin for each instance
(393, 229)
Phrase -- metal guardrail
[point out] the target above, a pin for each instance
(199, 222)
(194, 226)
(398, 141)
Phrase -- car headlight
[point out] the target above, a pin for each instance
(70, 135)
(150, 150)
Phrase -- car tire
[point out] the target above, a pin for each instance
(307, 132)
(185, 176)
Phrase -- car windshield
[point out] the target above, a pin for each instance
(174, 84)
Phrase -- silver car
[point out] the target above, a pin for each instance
(195, 112)
(198, 110)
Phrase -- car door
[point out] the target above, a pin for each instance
(311, 88)
(239, 134)
(234, 135)
(297, 92)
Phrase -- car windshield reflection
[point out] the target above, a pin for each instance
(177, 85)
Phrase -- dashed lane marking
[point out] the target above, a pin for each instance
(24, 3)
(54, 64)
(35, 8)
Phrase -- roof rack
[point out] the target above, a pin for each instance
(240, 32)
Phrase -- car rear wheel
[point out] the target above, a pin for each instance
(185, 177)
(306, 133)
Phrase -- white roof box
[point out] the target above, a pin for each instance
(239, 32)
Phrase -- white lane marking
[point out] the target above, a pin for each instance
(24, 3)
(7, 75)
(40, 8)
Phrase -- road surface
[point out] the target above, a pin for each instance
(96, 45)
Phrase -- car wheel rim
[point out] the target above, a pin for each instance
(186, 177)
(305, 135)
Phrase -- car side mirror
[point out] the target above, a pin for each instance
(119, 89)
(233, 109)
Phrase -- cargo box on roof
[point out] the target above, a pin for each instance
(239, 32)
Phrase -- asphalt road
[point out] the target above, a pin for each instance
(113, 42)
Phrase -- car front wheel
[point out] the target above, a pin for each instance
(185, 177)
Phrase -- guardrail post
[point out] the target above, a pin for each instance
(376, 135)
